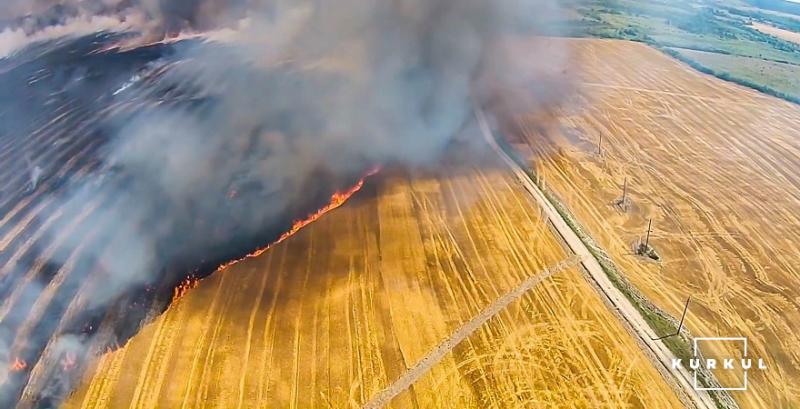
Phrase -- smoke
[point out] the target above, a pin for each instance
(303, 98)
(28, 22)
(14, 39)
(166, 16)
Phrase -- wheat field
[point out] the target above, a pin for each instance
(714, 166)
(333, 315)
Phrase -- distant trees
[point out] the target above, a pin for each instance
(706, 21)
(776, 5)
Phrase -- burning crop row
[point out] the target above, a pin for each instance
(337, 199)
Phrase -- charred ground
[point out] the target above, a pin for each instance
(61, 107)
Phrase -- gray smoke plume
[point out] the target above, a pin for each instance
(302, 98)
(167, 15)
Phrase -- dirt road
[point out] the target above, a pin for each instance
(719, 181)
(425, 364)
(623, 306)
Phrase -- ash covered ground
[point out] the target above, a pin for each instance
(90, 244)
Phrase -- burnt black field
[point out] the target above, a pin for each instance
(62, 104)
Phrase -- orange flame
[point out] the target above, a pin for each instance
(337, 199)
(184, 287)
(69, 362)
(18, 365)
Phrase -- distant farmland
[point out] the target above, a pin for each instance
(779, 76)
(778, 32)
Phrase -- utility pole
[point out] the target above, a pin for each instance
(647, 239)
(680, 325)
(600, 145)
(644, 248)
(683, 316)
(623, 201)
(625, 192)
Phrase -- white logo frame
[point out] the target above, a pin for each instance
(694, 353)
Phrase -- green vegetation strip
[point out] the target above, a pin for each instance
(725, 75)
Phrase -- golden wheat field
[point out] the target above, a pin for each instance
(714, 165)
(334, 314)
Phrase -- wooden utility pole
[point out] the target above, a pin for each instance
(647, 238)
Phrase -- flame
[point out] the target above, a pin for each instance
(337, 199)
(184, 287)
(132, 43)
(112, 347)
(18, 365)
(69, 362)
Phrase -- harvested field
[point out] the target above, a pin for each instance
(334, 314)
(714, 165)
(63, 299)
(777, 32)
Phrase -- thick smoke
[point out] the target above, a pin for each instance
(308, 93)
(302, 99)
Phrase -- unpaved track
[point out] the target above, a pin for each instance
(719, 180)
(425, 364)
(623, 306)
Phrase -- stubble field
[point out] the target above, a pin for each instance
(333, 315)
(714, 165)
(777, 32)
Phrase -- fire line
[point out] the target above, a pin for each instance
(18, 365)
(337, 199)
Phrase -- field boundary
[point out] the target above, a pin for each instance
(725, 76)
(669, 50)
